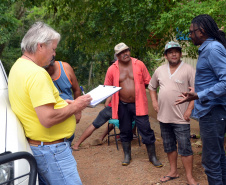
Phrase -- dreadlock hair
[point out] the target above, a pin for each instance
(207, 23)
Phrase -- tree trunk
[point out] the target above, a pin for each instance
(90, 74)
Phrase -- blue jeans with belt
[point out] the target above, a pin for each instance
(56, 164)
(212, 131)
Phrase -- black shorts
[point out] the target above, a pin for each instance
(176, 133)
(103, 116)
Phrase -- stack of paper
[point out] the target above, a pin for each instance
(102, 92)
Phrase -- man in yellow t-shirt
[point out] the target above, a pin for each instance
(47, 119)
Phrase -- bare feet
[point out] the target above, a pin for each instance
(96, 142)
(191, 181)
(75, 147)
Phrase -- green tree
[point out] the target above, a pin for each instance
(97, 26)
(8, 23)
(13, 26)
(179, 18)
(90, 29)
(93, 28)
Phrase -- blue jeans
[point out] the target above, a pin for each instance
(56, 164)
(212, 131)
(41, 180)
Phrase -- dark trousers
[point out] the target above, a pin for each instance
(212, 131)
(127, 114)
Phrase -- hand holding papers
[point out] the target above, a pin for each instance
(102, 92)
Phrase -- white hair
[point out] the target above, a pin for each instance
(38, 33)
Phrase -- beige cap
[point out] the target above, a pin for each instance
(120, 47)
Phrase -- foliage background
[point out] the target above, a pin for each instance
(90, 29)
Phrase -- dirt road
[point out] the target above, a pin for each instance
(101, 165)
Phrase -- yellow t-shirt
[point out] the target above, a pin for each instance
(31, 86)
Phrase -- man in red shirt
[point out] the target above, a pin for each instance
(130, 103)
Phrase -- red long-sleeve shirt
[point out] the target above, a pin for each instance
(141, 78)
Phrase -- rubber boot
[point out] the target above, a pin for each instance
(127, 153)
(152, 155)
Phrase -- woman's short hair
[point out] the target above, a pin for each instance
(38, 33)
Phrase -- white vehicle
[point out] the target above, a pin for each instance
(12, 138)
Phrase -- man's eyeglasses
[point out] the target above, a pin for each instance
(190, 32)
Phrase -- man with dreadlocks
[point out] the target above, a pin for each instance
(210, 95)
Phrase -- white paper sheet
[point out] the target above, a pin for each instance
(102, 92)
